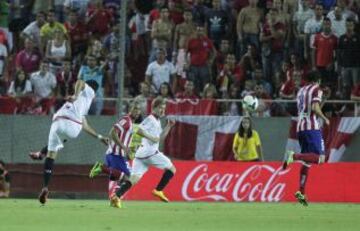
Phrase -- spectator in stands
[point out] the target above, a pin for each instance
(21, 86)
(188, 92)
(155, 13)
(47, 31)
(209, 91)
(263, 110)
(202, 54)
(247, 144)
(198, 12)
(79, 6)
(233, 108)
(32, 30)
(272, 36)
(3, 60)
(258, 78)
(66, 79)
(349, 58)
(160, 71)
(338, 23)
(249, 61)
(93, 71)
(95, 49)
(355, 94)
(19, 16)
(183, 33)
(165, 91)
(142, 99)
(221, 54)
(248, 88)
(248, 26)
(4, 181)
(57, 50)
(161, 34)
(323, 54)
(300, 17)
(176, 9)
(312, 26)
(43, 82)
(41, 6)
(99, 20)
(29, 58)
(5, 35)
(78, 34)
(229, 74)
(217, 23)
(345, 11)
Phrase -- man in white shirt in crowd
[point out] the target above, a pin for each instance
(148, 153)
(43, 82)
(160, 71)
(32, 31)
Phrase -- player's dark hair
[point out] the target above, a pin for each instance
(242, 130)
(326, 19)
(313, 76)
(93, 84)
(157, 102)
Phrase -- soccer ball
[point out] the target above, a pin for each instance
(250, 102)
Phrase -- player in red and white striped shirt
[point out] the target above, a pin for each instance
(116, 160)
(308, 131)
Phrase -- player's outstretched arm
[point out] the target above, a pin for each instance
(317, 109)
(87, 128)
(165, 132)
(147, 136)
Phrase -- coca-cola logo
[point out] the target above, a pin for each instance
(259, 182)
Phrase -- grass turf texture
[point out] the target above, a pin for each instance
(89, 215)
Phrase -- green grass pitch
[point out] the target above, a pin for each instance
(96, 215)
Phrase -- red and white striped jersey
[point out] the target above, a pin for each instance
(124, 130)
(307, 95)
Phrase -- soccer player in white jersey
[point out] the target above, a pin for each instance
(309, 101)
(117, 155)
(148, 153)
(67, 123)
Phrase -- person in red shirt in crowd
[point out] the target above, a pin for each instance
(323, 54)
(355, 93)
(188, 92)
(176, 9)
(202, 55)
(29, 58)
(221, 54)
(66, 79)
(78, 34)
(249, 61)
(99, 20)
(230, 73)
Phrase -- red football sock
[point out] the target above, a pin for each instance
(307, 157)
(303, 177)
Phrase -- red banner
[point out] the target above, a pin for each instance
(261, 182)
(189, 107)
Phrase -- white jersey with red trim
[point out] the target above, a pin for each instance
(152, 126)
(79, 108)
(124, 130)
(307, 95)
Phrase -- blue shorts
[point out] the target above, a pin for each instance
(311, 141)
(118, 162)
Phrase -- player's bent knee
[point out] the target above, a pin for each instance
(173, 169)
(134, 179)
(51, 154)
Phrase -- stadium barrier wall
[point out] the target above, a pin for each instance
(204, 181)
(23, 133)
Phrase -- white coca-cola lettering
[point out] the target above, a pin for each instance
(245, 186)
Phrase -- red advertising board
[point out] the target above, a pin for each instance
(261, 182)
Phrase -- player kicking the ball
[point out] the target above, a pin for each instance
(308, 132)
(117, 155)
(148, 153)
(67, 123)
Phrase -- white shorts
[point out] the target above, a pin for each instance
(62, 129)
(159, 160)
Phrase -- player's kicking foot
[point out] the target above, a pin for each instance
(43, 196)
(96, 170)
(288, 159)
(36, 155)
(301, 198)
(160, 195)
(115, 202)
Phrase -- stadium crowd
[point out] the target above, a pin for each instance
(187, 49)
